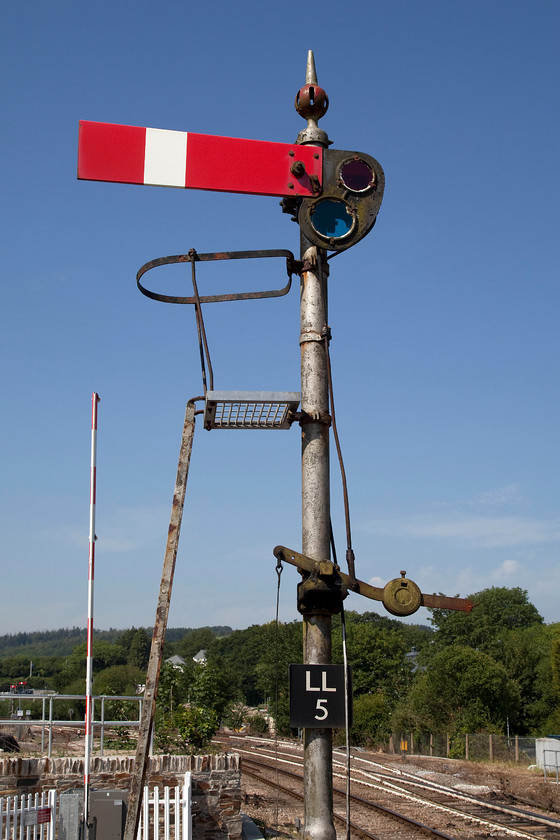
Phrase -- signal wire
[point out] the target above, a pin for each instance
(202, 341)
(279, 570)
(350, 558)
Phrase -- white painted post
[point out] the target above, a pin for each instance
(51, 801)
(156, 813)
(177, 812)
(89, 643)
(186, 834)
(166, 813)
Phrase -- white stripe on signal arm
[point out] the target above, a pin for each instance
(165, 161)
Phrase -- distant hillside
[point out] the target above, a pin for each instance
(62, 642)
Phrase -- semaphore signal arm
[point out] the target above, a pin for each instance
(400, 596)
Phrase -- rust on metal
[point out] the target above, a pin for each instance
(298, 168)
(318, 417)
(306, 564)
(443, 602)
(219, 256)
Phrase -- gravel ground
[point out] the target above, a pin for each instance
(499, 782)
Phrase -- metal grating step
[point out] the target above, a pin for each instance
(250, 409)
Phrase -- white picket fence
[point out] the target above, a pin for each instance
(28, 817)
(165, 815)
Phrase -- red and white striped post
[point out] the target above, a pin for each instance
(91, 577)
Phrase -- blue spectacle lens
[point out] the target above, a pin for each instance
(331, 218)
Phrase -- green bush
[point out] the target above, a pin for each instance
(258, 724)
(187, 730)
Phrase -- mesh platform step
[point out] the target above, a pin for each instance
(250, 409)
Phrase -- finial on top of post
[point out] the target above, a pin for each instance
(311, 104)
(310, 71)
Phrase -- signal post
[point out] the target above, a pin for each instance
(316, 609)
(334, 196)
(319, 594)
(315, 486)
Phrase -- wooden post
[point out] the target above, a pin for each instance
(160, 626)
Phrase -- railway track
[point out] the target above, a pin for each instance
(388, 803)
(389, 824)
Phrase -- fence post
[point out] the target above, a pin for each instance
(145, 811)
(447, 744)
(156, 813)
(166, 812)
(49, 753)
(186, 833)
(491, 747)
(466, 747)
(411, 743)
(102, 741)
(51, 802)
(43, 728)
(431, 743)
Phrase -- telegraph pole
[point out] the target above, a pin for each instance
(312, 103)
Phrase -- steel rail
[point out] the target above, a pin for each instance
(388, 812)
(414, 781)
(511, 811)
(342, 819)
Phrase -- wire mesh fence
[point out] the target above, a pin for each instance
(480, 746)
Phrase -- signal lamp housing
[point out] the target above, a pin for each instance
(347, 208)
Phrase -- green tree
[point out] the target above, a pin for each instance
(119, 681)
(71, 709)
(526, 656)
(195, 640)
(555, 658)
(174, 685)
(104, 654)
(242, 651)
(462, 690)
(282, 648)
(372, 714)
(497, 611)
(414, 635)
(214, 686)
(139, 651)
(377, 658)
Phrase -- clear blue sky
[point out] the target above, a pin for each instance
(445, 318)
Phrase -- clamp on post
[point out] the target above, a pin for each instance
(322, 591)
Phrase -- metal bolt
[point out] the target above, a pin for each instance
(291, 152)
(297, 168)
(290, 186)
